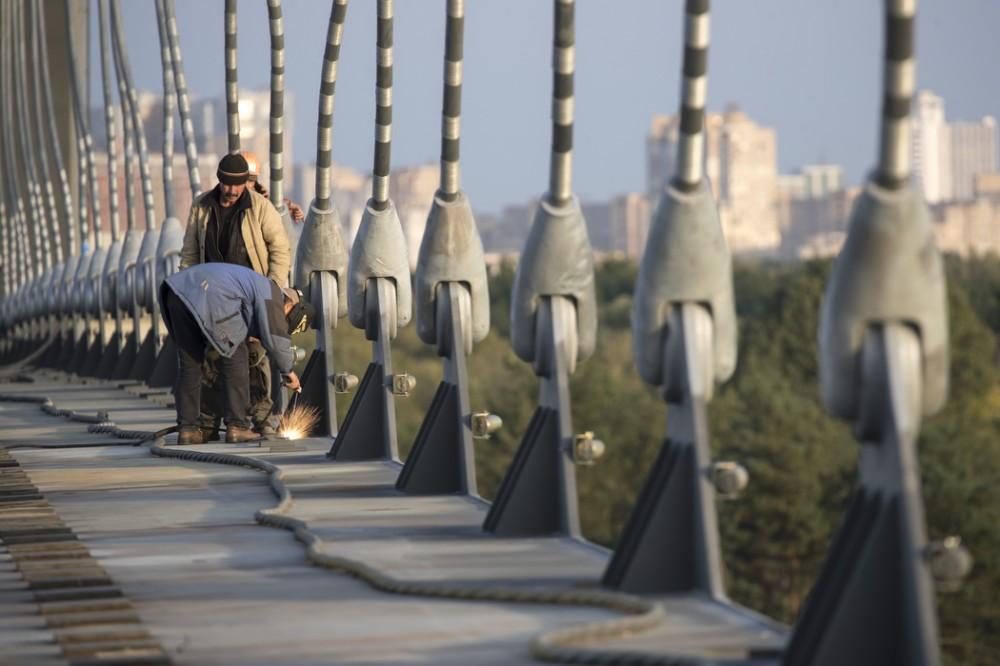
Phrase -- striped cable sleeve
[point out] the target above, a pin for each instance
(109, 119)
(118, 37)
(169, 100)
(83, 129)
(277, 146)
(39, 140)
(42, 246)
(128, 133)
(82, 184)
(327, 92)
(20, 246)
(899, 82)
(5, 268)
(183, 103)
(383, 106)
(694, 89)
(232, 79)
(451, 108)
(14, 259)
(44, 82)
(563, 67)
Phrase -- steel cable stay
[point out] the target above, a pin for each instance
(84, 294)
(63, 259)
(40, 55)
(684, 342)
(11, 268)
(22, 246)
(169, 19)
(276, 142)
(321, 256)
(379, 292)
(16, 267)
(128, 136)
(88, 158)
(553, 327)
(43, 304)
(137, 267)
(103, 364)
(452, 304)
(132, 238)
(42, 140)
(169, 105)
(232, 80)
(131, 105)
(64, 326)
(883, 365)
(42, 246)
(167, 254)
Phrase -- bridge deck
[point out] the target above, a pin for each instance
(213, 586)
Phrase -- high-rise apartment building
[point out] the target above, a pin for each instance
(741, 162)
(973, 152)
(930, 153)
(947, 157)
(629, 217)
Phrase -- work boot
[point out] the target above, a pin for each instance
(210, 435)
(186, 437)
(266, 428)
(237, 434)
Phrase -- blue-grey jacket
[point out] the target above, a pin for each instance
(231, 302)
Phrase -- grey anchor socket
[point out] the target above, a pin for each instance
(129, 254)
(379, 251)
(322, 248)
(686, 261)
(65, 285)
(170, 242)
(110, 275)
(557, 261)
(76, 297)
(49, 288)
(94, 276)
(145, 265)
(31, 305)
(888, 271)
(451, 251)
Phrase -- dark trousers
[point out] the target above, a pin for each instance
(235, 371)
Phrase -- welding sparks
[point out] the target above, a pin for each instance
(298, 422)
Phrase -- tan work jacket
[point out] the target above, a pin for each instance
(264, 235)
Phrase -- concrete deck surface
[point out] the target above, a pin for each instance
(214, 587)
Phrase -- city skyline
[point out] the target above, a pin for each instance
(763, 211)
(784, 62)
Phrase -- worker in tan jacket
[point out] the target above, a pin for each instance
(233, 224)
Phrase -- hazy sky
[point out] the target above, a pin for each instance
(808, 68)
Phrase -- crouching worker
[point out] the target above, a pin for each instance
(219, 306)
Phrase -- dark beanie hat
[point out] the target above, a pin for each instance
(233, 170)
